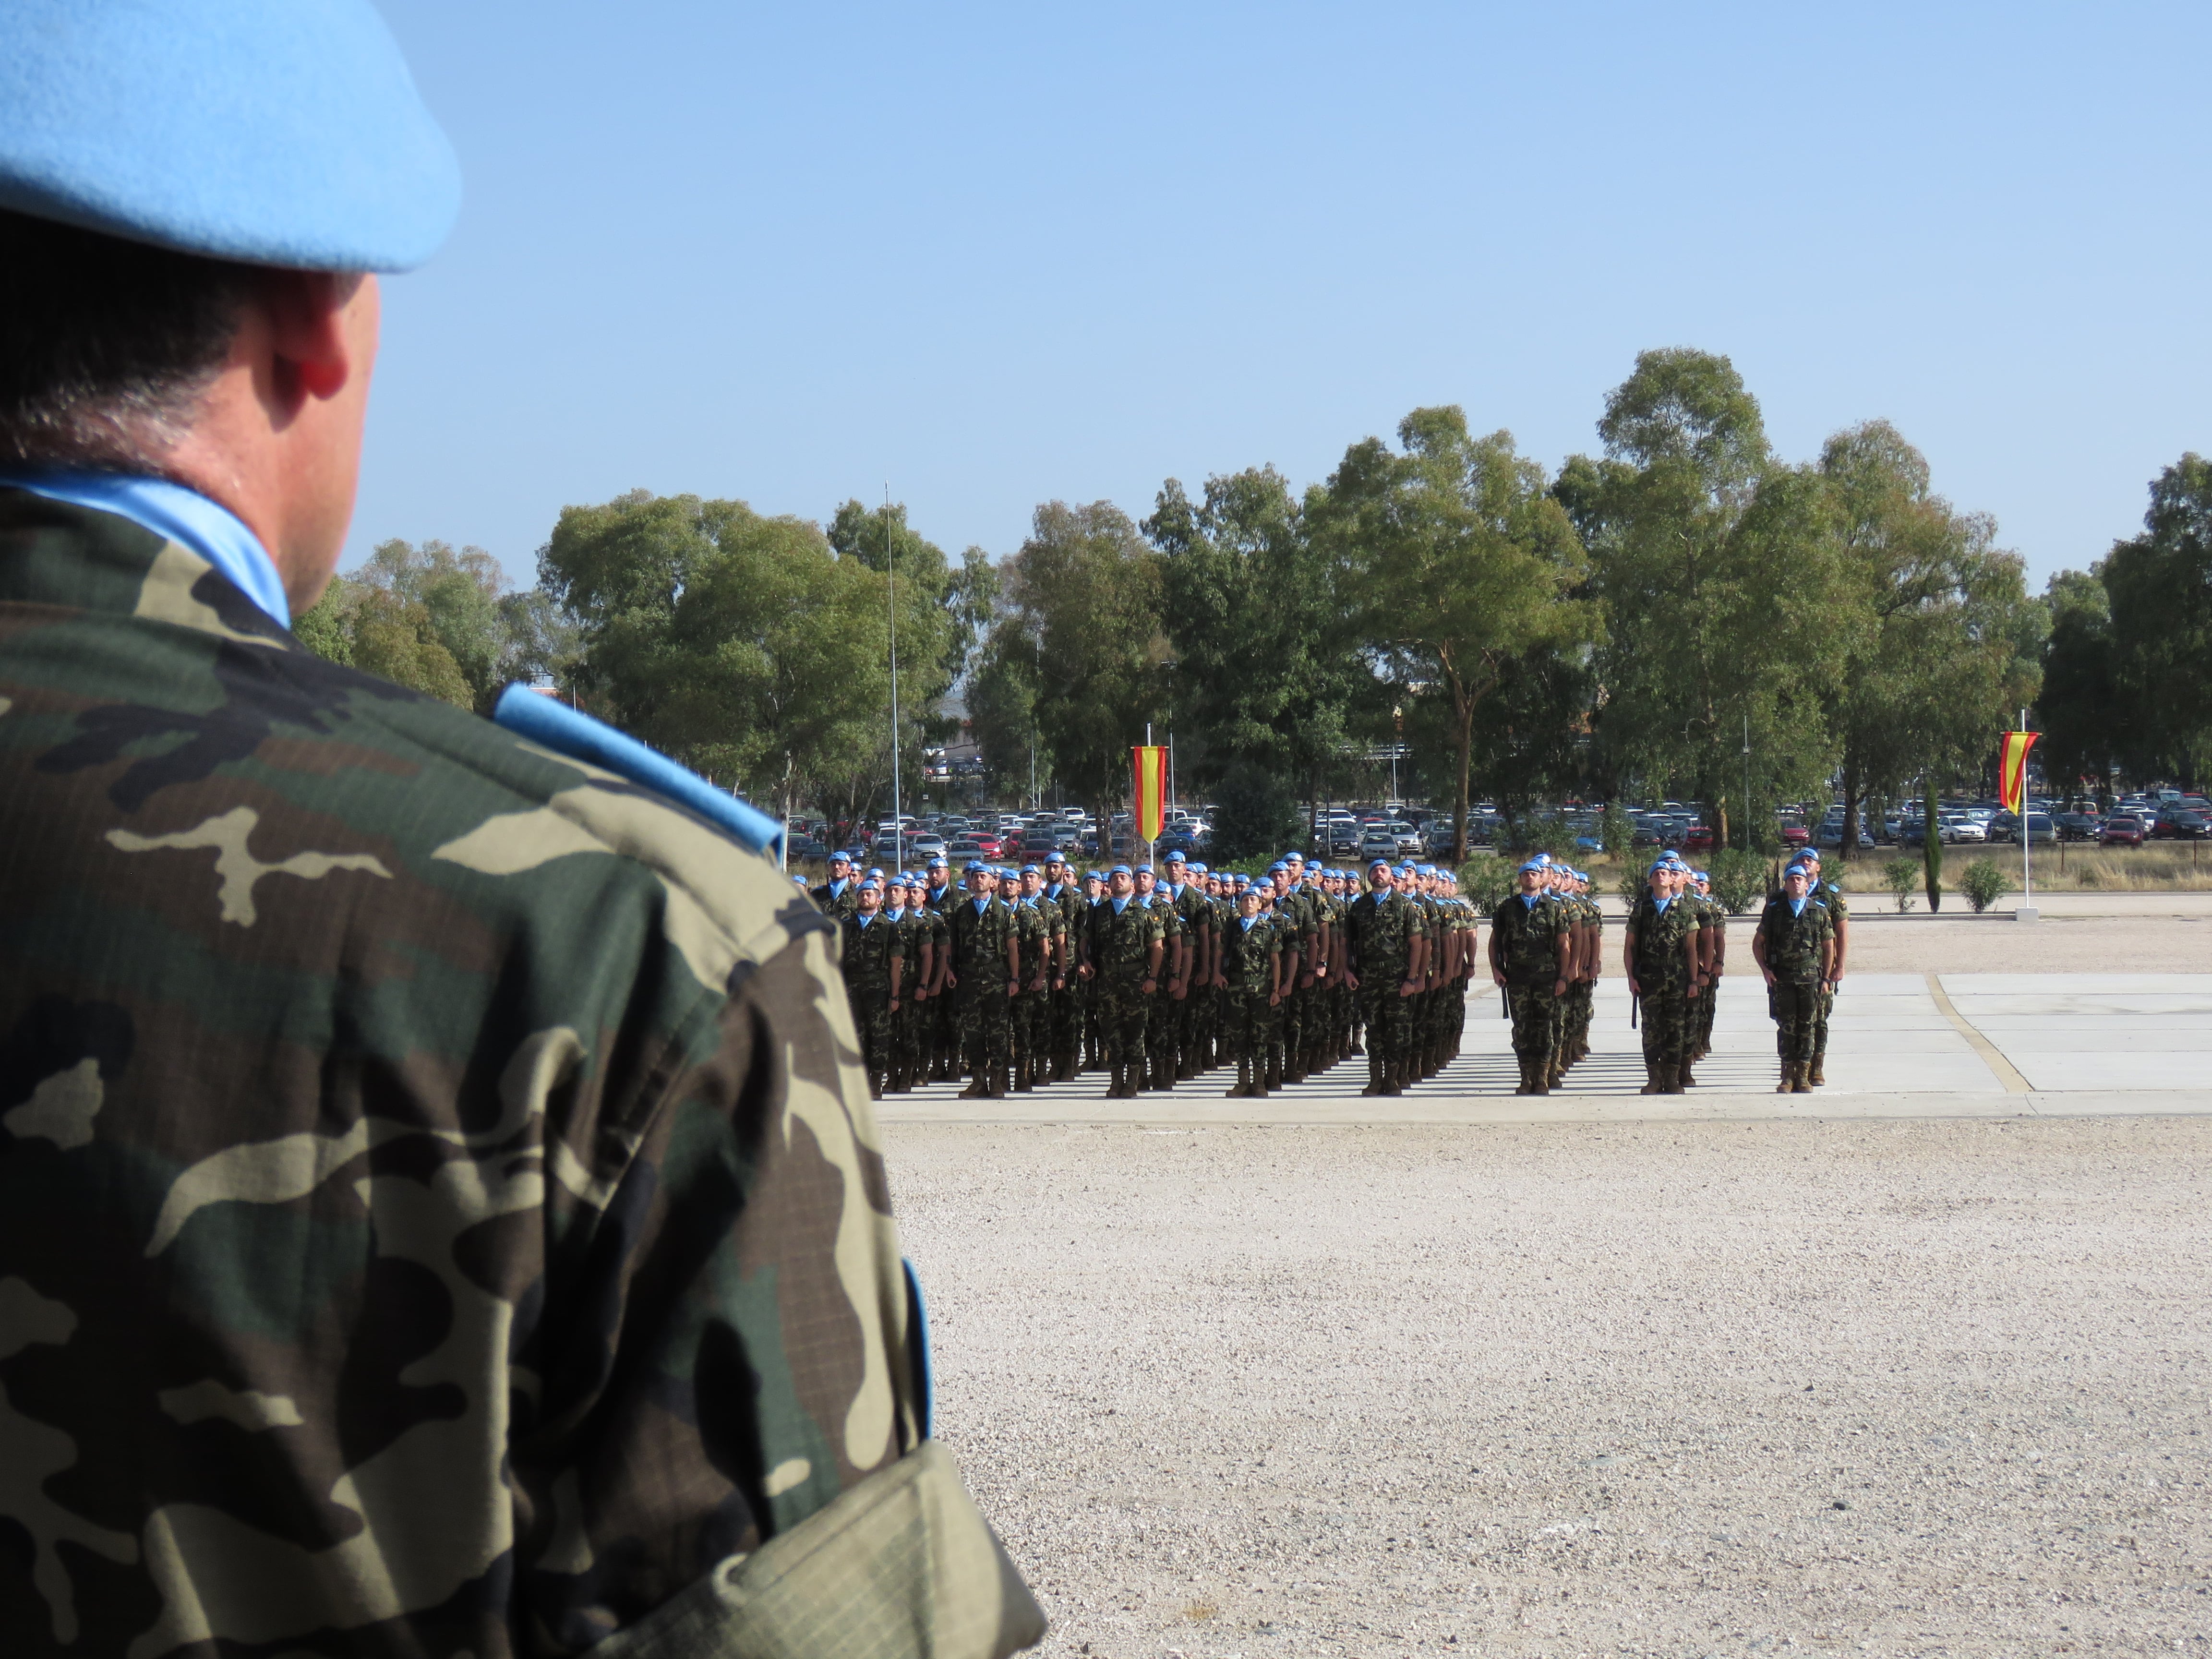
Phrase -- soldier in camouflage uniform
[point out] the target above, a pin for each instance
(1188, 899)
(1830, 896)
(1028, 1014)
(1067, 1038)
(1126, 944)
(440, 1210)
(1159, 1070)
(1794, 948)
(1382, 968)
(1530, 944)
(1086, 983)
(1712, 949)
(872, 960)
(1661, 957)
(924, 930)
(839, 896)
(940, 1029)
(1251, 962)
(986, 963)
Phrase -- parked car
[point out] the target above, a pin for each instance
(1958, 827)
(1377, 843)
(1698, 838)
(2121, 830)
(806, 847)
(989, 844)
(1793, 834)
(2178, 822)
(2077, 826)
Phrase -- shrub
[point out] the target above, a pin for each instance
(1630, 888)
(1902, 876)
(1739, 878)
(1486, 879)
(1255, 814)
(1983, 884)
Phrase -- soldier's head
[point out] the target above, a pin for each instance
(1143, 878)
(1378, 875)
(841, 865)
(1121, 881)
(1534, 876)
(1810, 858)
(977, 877)
(871, 897)
(937, 871)
(1248, 901)
(1296, 862)
(1032, 881)
(1174, 867)
(1704, 884)
(1056, 868)
(1797, 880)
(1279, 875)
(1093, 883)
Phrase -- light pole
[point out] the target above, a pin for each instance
(890, 591)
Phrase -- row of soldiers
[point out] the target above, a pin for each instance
(1020, 978)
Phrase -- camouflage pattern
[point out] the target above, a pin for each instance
(1831, 899)
(872, 945)
(1662, 972)
(1527, 939)
(1796, 944)
(1378, 930)
(440, 1211)
(1712, 939)
(979, 936)
(1794, 1005)
(1162, 1032)
(1196, 914)
(1028, 1018)
(1247, 962)
(1120, 948)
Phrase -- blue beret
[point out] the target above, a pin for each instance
(1428, 869)
(937, 863)
(1538, 864)
(1200, 868)
(1121, 870)
(1031, 870)
(798, 881)
(1294, 854)
(276, 132)
(870, 885)
(1378, 863)
(1144, 869)
(1173, 857)
(1278, 864)
(974, 867)
(849, 858)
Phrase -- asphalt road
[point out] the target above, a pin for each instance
(1911, 1386)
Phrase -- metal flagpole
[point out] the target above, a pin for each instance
(891, 591)
(2026, 837)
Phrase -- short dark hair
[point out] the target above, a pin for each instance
(107, 347)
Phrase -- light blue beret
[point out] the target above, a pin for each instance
(1031, 870)
(276, 132)
(1121, 870)
(1278, 865)
(974, 867)
(1538, 864)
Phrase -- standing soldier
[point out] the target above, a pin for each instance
(1660, 956)
(836, 895)
(1158, 1071)
(1252, 964)
(1294, 935)
(941, 1026)
(1025, 1014)
(925, 971)
(1530, 949)
(873, 955)
(1382, 969)
(1126, 943)
(1196, 916)
(1712, 953)
(1830, 895)
(1795, 950)
(985, 962)
(1066, 1035)
(1086, 983)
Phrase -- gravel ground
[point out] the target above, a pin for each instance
(1918, 1387)
(1884, 943)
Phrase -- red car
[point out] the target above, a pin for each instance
(1796, 835)
(1698, 838)
(2121, 830)
(989, 841)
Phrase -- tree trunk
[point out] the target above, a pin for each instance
(1463, 710)
(1849, 842)
(1931, 844)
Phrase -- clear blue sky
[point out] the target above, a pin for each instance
(993, 255)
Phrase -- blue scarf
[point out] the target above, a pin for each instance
(1796, 907)
(1119, 904)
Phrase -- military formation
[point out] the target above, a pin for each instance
(1015, 979)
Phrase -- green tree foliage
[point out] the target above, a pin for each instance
(1739, 878)
(2160, 584)
(1722, 587)
(1081, 614)
(1255, 812)
(1944, 640)
(1266, 673)
(745, 645)
(1458, 563)
(427, 617)
(2087, 726)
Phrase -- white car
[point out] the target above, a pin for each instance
(1958, 827)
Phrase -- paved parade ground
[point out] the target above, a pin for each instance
(1916, 1365)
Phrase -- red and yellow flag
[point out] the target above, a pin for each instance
(2012, 768)
(1151, 793)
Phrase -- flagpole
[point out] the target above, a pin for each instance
(2026, 837)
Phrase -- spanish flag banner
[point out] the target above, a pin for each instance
(2012, 768)
(1151, 793)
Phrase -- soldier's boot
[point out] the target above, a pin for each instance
(1355, 1046)
(1165, 1074)
(1271, 1074)
(1021, 1073)
(1682, 1073)
(1818, 1079)
(875, 1085)
(1259, 1088)
(1670, 1079)
(1394, 1078)
(1374, 1075)
(1651, 1077)
(1800, 1082)
(1244, 1085)
(896, 1082)
(1114, 1082)
(1528, 1083)
(976, 1086)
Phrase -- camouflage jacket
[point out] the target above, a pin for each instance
(845, 901)
(1247, 956)
(440, 1208)
(869, 952)
(1660, 957)
(1795, 944)
(1121, 944)
(977, 939)
(1379, 937)
(1529, 938)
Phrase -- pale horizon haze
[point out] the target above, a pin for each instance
(990, 257)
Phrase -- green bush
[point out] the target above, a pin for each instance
(1983, 884)
(1739, 878)
(1534, 835)
(1901, 876)
(1255, 814)
(1486, 879)
(1631, 885)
